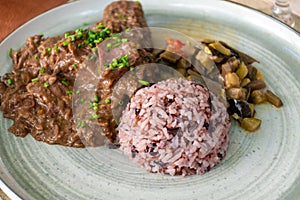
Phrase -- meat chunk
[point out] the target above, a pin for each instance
(37, 95)
(121, 15)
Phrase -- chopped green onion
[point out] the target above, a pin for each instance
(81, 124)
(114, 60)
(121, 65)
(49, 50)
(124, 40)
(72, 37)
(10, 52)
(92, 57)
(65, 43)
(46, 84)
(96, 98)
(116, 44)
(79, 30)
(77, 92)
(56, 48)
(94, 105)
(42, 70)
(65, 82)
(119, 16)
(36, 56)
(95, 108)
(107, 101)
(127, 30)
(75, 65)
(69, 92)
(81, 100)
(19, 54)
(118, 62)
(35, 80)
(94, 116)
(114, 35)
(108, 46)
(79, 45)
(131, 69)
(79, 35)
(9, 81)
(106, 30)
(111, 67)
(67, 35)
(145, 83)
(86, 41)
(100, 26)
(121, 103)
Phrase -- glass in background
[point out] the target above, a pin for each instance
(281, 9)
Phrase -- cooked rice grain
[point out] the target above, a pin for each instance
(175, 127)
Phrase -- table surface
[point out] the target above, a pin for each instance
(17, 12)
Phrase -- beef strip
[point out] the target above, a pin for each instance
(119, 16)
(36, 95)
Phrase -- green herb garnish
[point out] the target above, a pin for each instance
(94, 116)
(42, 70)
(35, 80)
(10, 52)
(56, 48)
(145, 83)
(119, 62)
(96, 99)
(81, 124)
(65, 82)
(46, 84)
(107, 101)
(66, 43)
(9, 81)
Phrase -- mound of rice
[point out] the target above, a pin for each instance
(175, 127)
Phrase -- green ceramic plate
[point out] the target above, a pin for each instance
(262, 165)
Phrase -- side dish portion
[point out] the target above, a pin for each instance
(175, 127)
(244, 84)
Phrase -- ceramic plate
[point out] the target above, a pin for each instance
(262, 165)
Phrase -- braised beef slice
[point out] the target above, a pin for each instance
(35, 94)
(121, 15)
(45, 112)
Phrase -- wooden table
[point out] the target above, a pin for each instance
(265, 6)
(16, 14)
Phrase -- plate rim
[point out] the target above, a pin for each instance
(7, 189)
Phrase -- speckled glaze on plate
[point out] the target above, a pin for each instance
(262, 165)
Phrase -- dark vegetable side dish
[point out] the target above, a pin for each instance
(37, 94)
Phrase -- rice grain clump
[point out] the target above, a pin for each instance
(175, 127)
